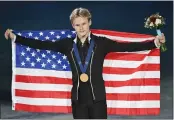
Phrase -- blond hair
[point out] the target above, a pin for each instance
(80, 12)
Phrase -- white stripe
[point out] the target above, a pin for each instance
(66, 87)
(43, 101)
(125, 77)
(133, 89)
(133, 104)
(110, 103)
(14, 73)
(43, 87)
(125, 38)
(131, 64)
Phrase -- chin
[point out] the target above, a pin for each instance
(82, 35)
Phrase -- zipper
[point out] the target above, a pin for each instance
(77, 72)
(90, 76)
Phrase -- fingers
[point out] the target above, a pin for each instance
(7, 33)
(161, 38)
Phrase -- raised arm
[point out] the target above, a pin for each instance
(113, 46)
(58, 46)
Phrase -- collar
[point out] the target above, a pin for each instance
(89, 38)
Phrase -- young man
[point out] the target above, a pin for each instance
(88, 93)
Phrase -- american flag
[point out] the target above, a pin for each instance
(42, 78)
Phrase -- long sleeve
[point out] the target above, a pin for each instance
(113, 46)
(58, 46)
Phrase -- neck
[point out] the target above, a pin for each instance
(83, 38)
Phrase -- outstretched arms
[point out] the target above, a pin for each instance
(37, 44)
(113, 46)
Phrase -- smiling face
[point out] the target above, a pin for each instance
(81, 26)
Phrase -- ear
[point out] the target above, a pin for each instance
(90, 22)
(72, 25)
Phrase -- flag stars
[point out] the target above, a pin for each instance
(53, 66)
(22, 53)
(53, 56)
(53, 40)
(64, 66)
(43, 65)
(58, 37)
(59, 61)
(69, 36)
(44, 59)
(63, 32)
(64, 57)
(43, 55)
(37, 50)
(48, 51)
(36, 38)
(28, 49)
(73, 32)
(48, 61)
(19, 34)
(27, 59)
(47, 38)
(32, 64)
(23, 63)
(52, 33)
(38, 59)
(41, 33)
(30, 34)
(33, 54)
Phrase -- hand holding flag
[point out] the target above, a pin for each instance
(8, 33)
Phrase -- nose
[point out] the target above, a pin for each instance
(81, 27)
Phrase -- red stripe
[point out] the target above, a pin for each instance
(41, 79)
(142, 67)
(154, 52)
(67, 109)
(52, 80)
(67, 95)
(130, 56)
(120, 34)
(134, 82)
(34, 108)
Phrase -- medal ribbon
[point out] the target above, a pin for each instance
(83, 69)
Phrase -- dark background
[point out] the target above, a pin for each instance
(113, 15)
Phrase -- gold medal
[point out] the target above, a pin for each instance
(84, 77)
